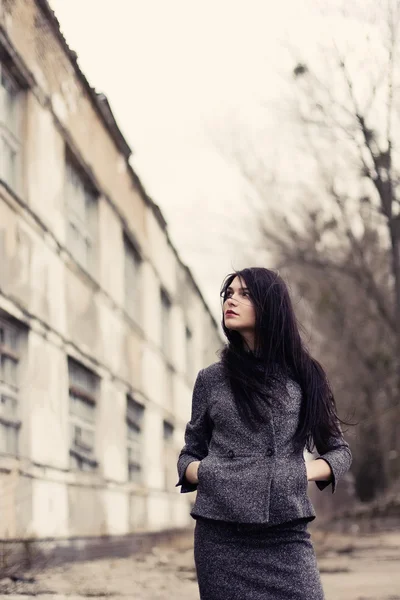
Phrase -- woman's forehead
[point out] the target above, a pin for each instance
(237, 283)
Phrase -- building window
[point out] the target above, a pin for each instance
(168, 431)
(169, 388)
(169, 455)
(132, 279)
(83, 395)
(165, 322)
(81, 204)
(10, 135)
(134, 423)
(10, 357)
(189, 352)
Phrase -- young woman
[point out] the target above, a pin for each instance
(253, 413)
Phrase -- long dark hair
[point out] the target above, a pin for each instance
(281, 353)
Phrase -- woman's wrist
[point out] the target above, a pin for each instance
(191, 471)
(318, 470)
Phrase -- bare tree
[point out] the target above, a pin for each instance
(367, 125)
(340, 240)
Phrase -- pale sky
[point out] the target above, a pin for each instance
(179, 73)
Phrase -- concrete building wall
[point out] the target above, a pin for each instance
(65, 312)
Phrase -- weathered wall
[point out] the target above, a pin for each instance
(68, 312)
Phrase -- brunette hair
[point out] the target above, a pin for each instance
(279, 353)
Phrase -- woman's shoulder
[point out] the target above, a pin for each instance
(212, 372)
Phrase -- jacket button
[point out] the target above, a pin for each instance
(231, 454)
(270, 452)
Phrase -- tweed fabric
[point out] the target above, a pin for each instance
(244, 562)
(248, 477)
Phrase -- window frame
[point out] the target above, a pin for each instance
(10, 422)
(189, 345)
(166, 306)
(167, 425)
(84, 400)
(169, 454)
(83, 219)
(132, 304)
(10, 136)
(134, 418)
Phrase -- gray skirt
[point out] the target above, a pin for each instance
(247, 562)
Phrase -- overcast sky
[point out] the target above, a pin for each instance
(177, 74)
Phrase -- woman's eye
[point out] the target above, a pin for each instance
(229, 294)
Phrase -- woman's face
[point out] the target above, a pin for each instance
(237, 300)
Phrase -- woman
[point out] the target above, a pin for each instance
(253, 412)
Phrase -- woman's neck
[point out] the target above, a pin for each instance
(248, 342)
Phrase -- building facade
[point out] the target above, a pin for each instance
(102, 327)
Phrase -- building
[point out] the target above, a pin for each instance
(102, 327)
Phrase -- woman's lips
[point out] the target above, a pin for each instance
(230, 314)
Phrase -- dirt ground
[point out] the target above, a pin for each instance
(360, 567)
(364, 567)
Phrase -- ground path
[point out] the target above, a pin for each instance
(364, 567)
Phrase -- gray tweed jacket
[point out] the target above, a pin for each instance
(244, 476)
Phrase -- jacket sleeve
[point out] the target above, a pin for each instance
(338, 455)
(197, 434)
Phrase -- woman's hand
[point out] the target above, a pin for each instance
(318, 470)
(191, 471)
